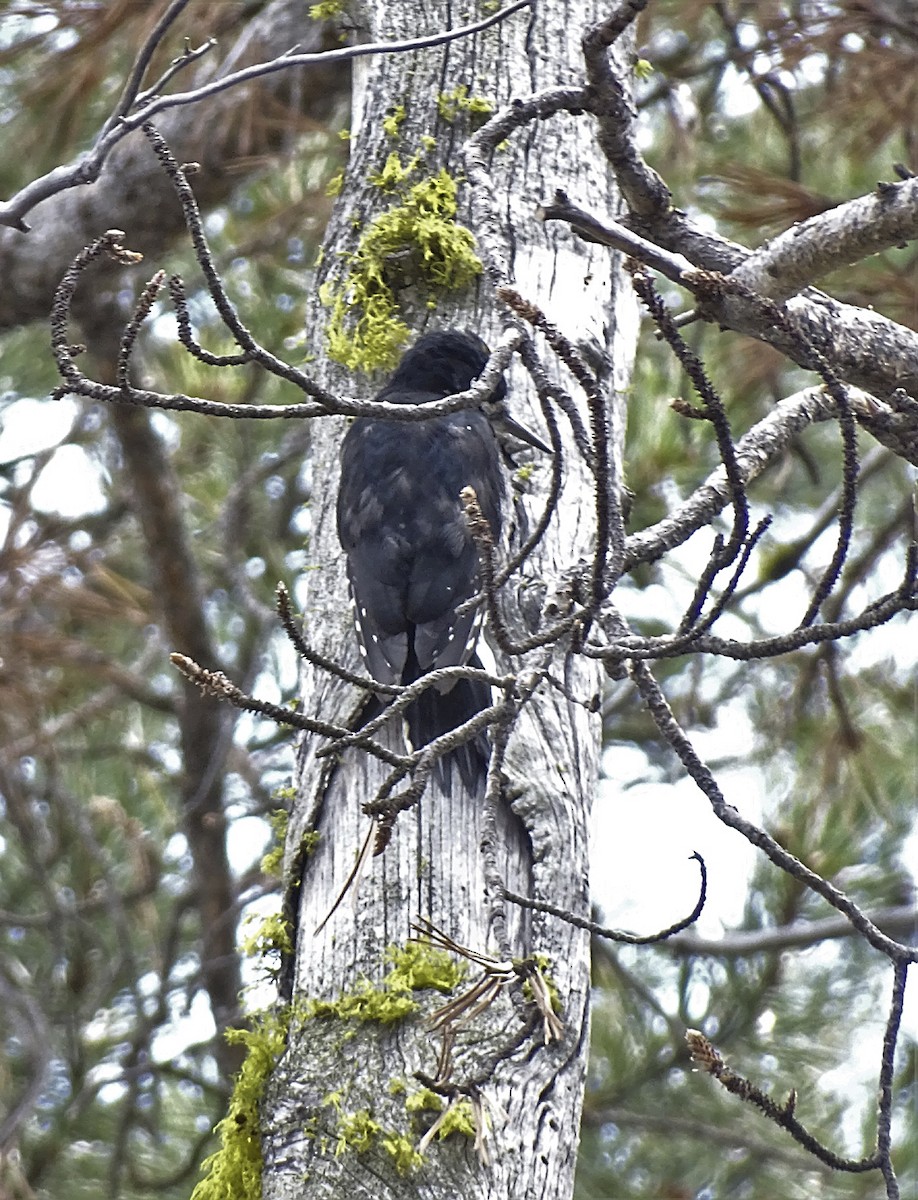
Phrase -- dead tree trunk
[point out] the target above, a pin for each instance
(345, 1110)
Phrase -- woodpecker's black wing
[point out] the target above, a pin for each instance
(411, 558)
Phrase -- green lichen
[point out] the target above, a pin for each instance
(356, 1131)
(415, 967)
(359, 1131)
(270, 936)
(422, 235)
(335, 184)
(394, 173)
(310, 841)
(365, 1003)
(424, 1100)
(235, 1170)
(393, 120)
(643, 69)
(459, 1119)
(401, 1149)
(273, 860)
(451, 104)
(419, 965)
(326, 9)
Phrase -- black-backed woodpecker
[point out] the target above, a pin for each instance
(411, 558)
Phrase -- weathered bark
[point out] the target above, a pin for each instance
(434, 865)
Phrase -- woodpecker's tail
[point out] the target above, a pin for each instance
(436, 713)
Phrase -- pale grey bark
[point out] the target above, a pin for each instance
(876, 355)
(434, 866)
(844, 235)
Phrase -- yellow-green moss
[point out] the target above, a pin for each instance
(459, 1119)
(235, 1170)
(355, 1131)
(424, 1100)
(273, 860)
(358, 1131)
(415, 967)
(419, 965)
(401, 1150)
(326, 9)
(422, 235)
(643, 69)
(271, 935)
(365, 1003)
(335, 184)
(451, 104)
(310, 841)
(393, 120)
(394, 173)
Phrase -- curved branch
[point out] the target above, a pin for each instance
(676, 738)
(755, 451)
(616, 935)
(132, 192)
(87, 169)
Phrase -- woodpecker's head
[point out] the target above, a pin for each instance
(441, 363)
(448, 361)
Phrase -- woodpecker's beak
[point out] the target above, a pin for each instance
(505, 426)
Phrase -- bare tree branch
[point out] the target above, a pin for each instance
(837, 238)
(132, 191)
(87, 169)
(899, 923)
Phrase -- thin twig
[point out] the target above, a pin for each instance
(673, 734)
(885, 1086)
(707, 1058)
(145, 54)
(215, 683)
(616, 935)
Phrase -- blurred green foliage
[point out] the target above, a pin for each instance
(756, 121)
